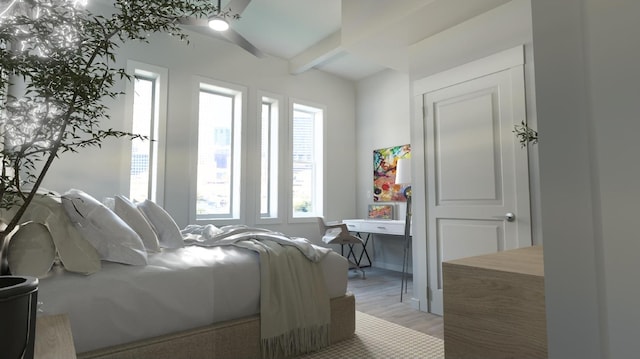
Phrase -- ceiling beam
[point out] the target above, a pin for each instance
(318, 53)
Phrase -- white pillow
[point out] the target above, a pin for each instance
(75, 252)
(165, 227)
(31, 250)
(114, 240)
(109, 202)
(129, 213)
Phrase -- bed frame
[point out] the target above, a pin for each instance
(238, 338)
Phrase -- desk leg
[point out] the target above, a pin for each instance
(363, 253)
(353, 255)
(364, 250)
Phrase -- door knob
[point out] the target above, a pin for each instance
(509, 217)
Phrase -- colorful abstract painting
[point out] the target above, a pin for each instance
(380, 211)
(384, 173)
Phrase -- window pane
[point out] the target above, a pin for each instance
(141, 155)
(265, 159)
(269, 152)
(307, 161)
(215, 155)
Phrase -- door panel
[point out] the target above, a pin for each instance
(455, 163)
(476, 172)
(466, 238)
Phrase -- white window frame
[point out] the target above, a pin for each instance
(319, 180)
(238, 144)
(277, 152)
(161, 76)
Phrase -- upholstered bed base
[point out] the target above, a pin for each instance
(238, 338)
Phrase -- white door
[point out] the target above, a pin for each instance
(476, 172)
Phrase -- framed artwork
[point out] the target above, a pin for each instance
(381, 211)
(385, 188)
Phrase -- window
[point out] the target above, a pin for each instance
(218, 159)
(307, 161)
(269, 158)
(142, 172)
(147, 104)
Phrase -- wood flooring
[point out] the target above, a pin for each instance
(379, 295)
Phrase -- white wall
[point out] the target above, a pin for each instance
(378, 100)
(587, 79)
(614, 83)
(383, 120)
(99, 172)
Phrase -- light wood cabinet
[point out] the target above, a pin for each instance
(53, 338)
(494, 306)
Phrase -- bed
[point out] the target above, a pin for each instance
(171, 309)
(199, 299)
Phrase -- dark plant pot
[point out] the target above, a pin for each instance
(18, 304)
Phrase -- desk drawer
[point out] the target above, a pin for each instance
(383, 228)
(354, 227)
(392, 227)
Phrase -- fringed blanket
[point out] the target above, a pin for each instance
(294, 303)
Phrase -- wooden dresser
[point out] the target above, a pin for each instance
(494, 306)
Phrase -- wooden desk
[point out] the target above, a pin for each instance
(494, 306)
(53, 338)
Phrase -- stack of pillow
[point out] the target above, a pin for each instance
(83, 231)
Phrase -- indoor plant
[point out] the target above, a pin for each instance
(525, 134)
(57, 65)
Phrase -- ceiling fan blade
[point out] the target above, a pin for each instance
(193, 21)
(230, 36)
(236, 7)
(237, 39)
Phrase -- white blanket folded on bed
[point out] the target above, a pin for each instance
(294, 303)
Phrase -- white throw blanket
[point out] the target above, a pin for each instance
(294, 304)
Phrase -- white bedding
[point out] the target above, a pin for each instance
(179, 289)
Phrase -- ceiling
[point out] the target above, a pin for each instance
(350, 38)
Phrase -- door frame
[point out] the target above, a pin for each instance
(513, 59)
